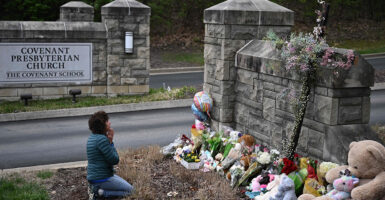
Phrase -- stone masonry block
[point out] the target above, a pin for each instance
(112, 24)
(140, 42)
(284, 105)
(99, 89)
(212, 40)
(246, 91)
(303, 139)
(268, 109)
(143, 81)
(288, 129)
(309, 110)
(316, 139)
(55, 91)
(226, 115)
(276, 136)
(8, 92)
(139, 89)
(230, 47)
(114, 61)
(269, 94)
(130, 27)
(215, 113)
(113, 80)
(117, 48)
(244, 32)
(248, 62)
(314, 125)
(248, 102)
(99, 76)
(144, 52)
(246, 76)
(125, 71)
(279, 30)
(120, 89)
(270, 78)
(350, 114)
(241, 113)
(326, 109)
(269, 86)
(128, 81)
(261, 138)
(34, 91)
(321, 91)
(222, 70)
(114, 70)
(217, 30)
(211, 52)
(144, 29)
(226, 87)
(140, 73)
(353, 101)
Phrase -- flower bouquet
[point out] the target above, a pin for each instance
(191, 161)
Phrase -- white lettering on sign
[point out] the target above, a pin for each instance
(45, 62)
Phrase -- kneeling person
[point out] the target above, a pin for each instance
(102, 156)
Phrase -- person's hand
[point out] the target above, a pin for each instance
(110, 134)
(110, 131)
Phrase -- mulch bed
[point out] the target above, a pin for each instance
(72, 183)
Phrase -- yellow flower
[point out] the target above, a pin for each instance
(197, 160)
(188, 155)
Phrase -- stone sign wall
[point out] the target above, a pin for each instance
(113, 71)
(246, 83)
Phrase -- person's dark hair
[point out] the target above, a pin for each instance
(97, 122)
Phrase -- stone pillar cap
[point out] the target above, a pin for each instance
(76, 4)
(249, 12)
(125, 7)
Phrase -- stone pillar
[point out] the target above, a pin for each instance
(228, 27)
(127, 73)
(75, 11)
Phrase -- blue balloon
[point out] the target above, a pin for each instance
(201, 116)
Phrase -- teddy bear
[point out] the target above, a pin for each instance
(366, 161)
(342, 187)
(286, 190)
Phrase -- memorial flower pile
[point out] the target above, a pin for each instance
(256, 169)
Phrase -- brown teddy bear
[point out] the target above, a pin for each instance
(366, 161)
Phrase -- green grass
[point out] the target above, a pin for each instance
(52, 104)
(186, 57)
(362, 46)
(16, 188)
(44, 174)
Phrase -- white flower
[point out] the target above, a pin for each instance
(274, 151)
(264, 158)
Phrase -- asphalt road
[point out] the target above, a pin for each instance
(58, 140)
(176, 80)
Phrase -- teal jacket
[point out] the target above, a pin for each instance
(102, 156)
